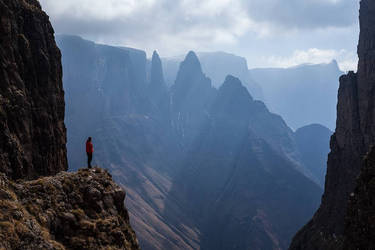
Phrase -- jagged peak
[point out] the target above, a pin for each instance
(234, 86)
(189, 68)
(191, 62)
(155, 56)
(157, 76)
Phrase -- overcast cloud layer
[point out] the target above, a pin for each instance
(269, 33)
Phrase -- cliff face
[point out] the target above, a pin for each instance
(83, 210)
(32, 130)
(355, 133)
(360, 221)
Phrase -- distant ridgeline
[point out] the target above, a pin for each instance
(41, 208)
(204, 166)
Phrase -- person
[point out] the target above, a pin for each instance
(89, 151)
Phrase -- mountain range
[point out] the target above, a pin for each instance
(198, 162)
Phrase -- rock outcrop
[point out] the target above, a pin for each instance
(355, 133)
(83, 210)
(32, 130)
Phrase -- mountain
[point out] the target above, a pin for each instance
(302, 95)
(42, 206)
(313, 143)
(240, 192)
(217, 65)
(351, 141)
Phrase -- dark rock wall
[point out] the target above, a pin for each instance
(32, 130)
(355, 133)
(360, 221)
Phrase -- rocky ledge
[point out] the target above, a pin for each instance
(82, 210)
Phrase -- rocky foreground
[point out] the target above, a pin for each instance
(82, 210)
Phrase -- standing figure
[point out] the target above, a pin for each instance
(89, 151)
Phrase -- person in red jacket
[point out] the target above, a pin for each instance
(89, 151)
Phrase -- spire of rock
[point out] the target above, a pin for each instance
(190, 67)
(157, 78)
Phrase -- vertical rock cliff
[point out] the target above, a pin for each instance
(32, 130)
(41, 205)
(360, 221)
(355, 133)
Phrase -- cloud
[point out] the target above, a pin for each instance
(304, 14)
(347, 60)
(174, 27)
(149, 24)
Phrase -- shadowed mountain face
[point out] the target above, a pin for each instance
(207, 164)
(351, 141)
(313, 144)
(217, 65)
(32, 130)
(240, 192)
(301, 95)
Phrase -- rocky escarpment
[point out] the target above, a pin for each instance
(355, 133)
(83, 210)
(32, 130)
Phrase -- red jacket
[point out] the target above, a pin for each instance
(89, 147)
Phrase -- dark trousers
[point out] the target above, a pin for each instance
(89, 159)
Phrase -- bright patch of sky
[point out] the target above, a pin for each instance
(268, 33)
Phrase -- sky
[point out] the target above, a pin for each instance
(268, 33)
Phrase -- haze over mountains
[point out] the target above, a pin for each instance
(187, 150)
(302, 95)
